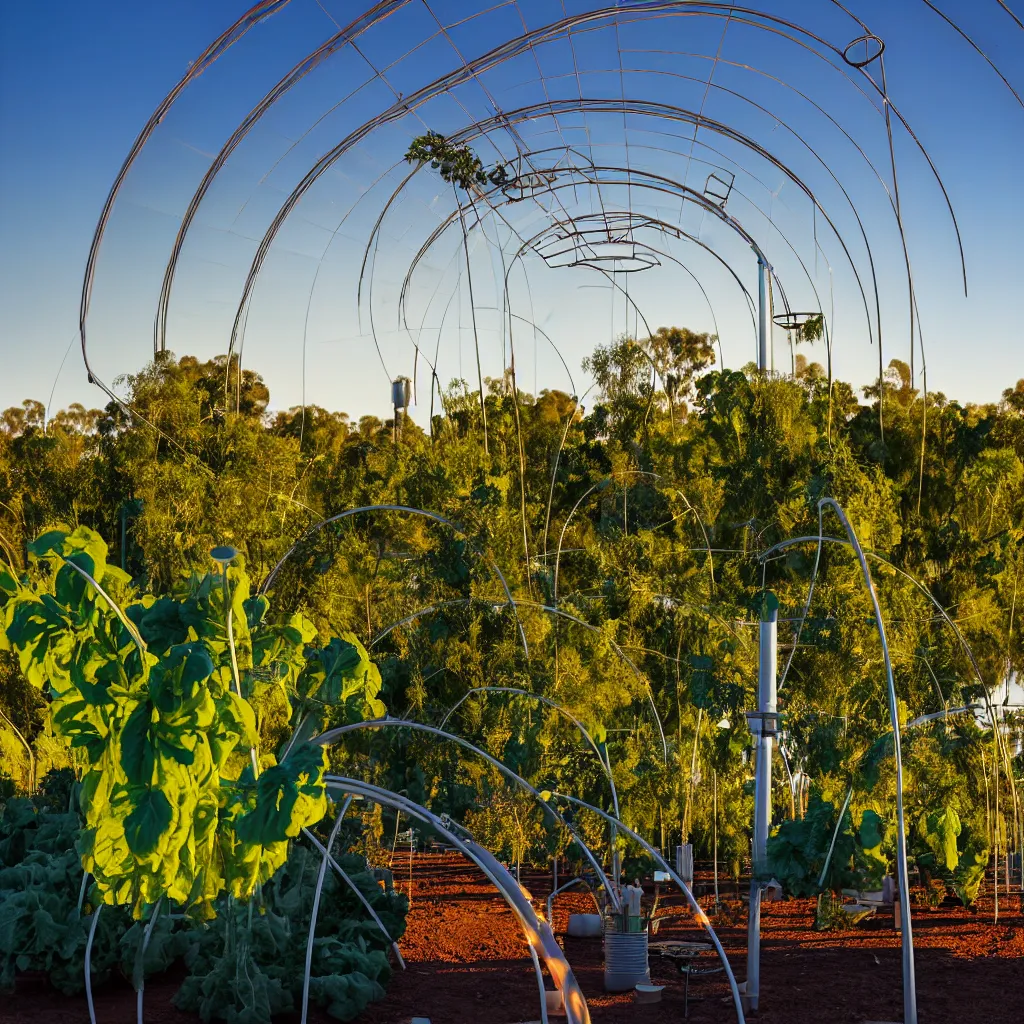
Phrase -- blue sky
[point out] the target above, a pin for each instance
(77, 82)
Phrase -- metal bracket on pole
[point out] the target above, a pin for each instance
(763, 723)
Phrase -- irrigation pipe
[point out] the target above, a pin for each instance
(125, 621)
(563, 888)
(236, 678)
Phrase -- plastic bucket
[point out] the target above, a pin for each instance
(625, 961)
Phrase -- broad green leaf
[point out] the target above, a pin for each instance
(138, 759)
(145, 827)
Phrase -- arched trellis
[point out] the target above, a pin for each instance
(823, 538)
(544, 799)
(815, 44)
(471, 70)
(662, 184)
(906, 936)
(698, 912)
(335, 734)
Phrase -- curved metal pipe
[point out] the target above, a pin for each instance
(906, 937)
(217, 48)
(538, 933)
(698, 912)
(337, 42)
(333, 735)
(471, 70)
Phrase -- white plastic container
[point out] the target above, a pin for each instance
(684, 863)
(648, 993)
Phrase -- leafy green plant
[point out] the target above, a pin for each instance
(970, 873)
(243, 966)
(177, 801)
(829, 915)
(798, 850)
(935, 894)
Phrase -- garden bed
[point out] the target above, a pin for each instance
(467, 962)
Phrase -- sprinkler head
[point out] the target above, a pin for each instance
(224, 554)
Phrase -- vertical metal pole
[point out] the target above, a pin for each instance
(763, 315)
(714, 834)
(763, 727)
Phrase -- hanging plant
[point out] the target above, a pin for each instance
(456, 162)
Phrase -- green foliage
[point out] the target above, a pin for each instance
(455, 162)
(970, 872)
(173, 808)
(242, 966)
(797, 851)
(653, 501)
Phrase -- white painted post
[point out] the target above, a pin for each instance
(764, 315)
(763, 727)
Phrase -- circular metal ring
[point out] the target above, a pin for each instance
(873, 48)
(793, 321)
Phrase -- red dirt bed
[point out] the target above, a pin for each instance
(467, 963)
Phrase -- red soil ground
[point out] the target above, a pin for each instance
(467, 963)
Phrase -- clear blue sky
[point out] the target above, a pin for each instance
(78, 81)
